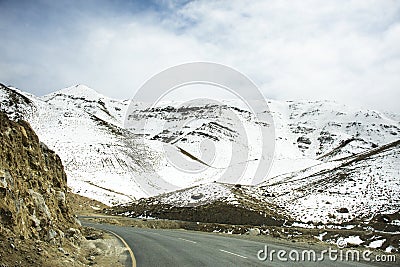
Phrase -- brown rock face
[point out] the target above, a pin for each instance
(33, 186)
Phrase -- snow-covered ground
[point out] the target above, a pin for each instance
(177, 146)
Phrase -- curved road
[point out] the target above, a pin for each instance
(161, 247)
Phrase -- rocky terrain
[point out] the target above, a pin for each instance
(33, 185)
(37, 226)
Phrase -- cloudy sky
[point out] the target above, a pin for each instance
(348, 51)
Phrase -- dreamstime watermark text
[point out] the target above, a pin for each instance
(330, 254)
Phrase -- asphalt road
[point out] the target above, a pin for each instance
(161, 247)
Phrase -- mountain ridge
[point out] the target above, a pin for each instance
(109, 163)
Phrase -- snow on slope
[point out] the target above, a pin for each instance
(311, 179)
(198, 195)
(102, 160)
(15, 103)
(308, 131)
(84, 98)
(356, 187)
(114, 165)
(220, 137)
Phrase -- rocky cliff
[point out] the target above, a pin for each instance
(33, 188)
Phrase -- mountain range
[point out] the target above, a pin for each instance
(331, 162)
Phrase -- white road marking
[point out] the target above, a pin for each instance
(233, 254)
(187, 240)
(127, 247)
(154, 233)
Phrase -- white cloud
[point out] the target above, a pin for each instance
(347, 51)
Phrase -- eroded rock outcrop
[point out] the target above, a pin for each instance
(33, 186)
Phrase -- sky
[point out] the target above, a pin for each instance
(346, 51)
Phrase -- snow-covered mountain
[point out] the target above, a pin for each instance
(314, 143)
(101, 159)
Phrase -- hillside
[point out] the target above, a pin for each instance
(175, 147)
(353, 188)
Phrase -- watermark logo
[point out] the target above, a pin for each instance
(202, 135)
(341, 242)
(330, 254)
